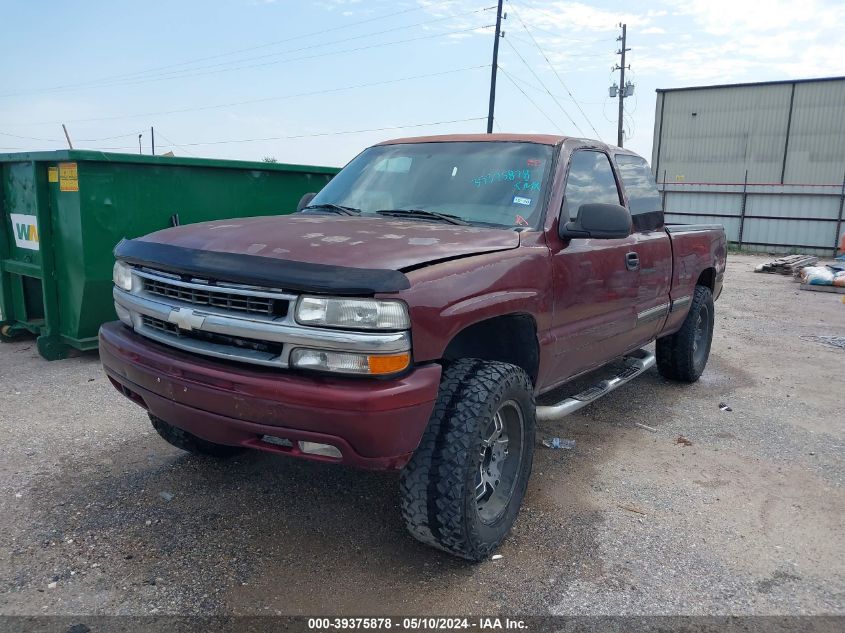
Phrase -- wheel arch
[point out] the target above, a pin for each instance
(707, 278)
(510, 338)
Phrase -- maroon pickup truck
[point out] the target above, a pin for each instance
(408, 316)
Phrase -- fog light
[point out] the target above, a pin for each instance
(123, 314)
(315, 448)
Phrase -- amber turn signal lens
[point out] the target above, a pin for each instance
(388, 364)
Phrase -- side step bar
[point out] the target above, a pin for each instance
(635, 364)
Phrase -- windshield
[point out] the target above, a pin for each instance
(493, 183)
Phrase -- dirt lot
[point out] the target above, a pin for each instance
(98, 515)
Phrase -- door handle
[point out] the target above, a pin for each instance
(632, 261)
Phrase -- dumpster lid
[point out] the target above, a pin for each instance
(84, 155)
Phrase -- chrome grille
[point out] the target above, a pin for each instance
(251, 304)
(265, 347)
(160, 325)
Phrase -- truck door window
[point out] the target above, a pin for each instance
(643, 197)
(590, 180)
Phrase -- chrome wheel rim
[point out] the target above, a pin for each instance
(500, 458)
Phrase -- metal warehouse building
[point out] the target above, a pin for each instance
(767, 160)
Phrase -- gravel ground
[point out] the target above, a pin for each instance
(100, 516)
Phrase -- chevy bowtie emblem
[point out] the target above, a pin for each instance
(186, 319)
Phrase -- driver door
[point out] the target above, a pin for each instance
(595, 291)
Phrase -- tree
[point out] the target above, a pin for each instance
(269, 159)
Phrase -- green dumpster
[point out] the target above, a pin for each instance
(62, 213)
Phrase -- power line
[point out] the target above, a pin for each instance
(81, 140)
(221, 67)
(540, 81)
(307, 57)
(258, 100)
(528, 84)
(173, 144)
(569, 55)
(530, 100)
(231, 52)
(554, 70)
(299, 136)
(193, 71)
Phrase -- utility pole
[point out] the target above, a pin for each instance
(67, 136)
(153, 139)
(623, 89)
(140, 150)
(495, 66)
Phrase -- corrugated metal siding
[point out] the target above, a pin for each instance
(704, 159)
(717, 203)
(817, 136)
(789, 232)
(733, 129)
(785, 206)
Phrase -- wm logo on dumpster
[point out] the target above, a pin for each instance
(25, 231)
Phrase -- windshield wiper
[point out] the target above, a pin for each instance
(422, 213)
(334, 208)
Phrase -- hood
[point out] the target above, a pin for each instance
(356, 242)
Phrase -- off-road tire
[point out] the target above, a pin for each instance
(189, 442)
(438, 486)
(678, 355)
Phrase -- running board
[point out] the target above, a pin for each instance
(635, 364)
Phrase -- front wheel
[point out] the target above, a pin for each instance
(463, 487)
(683, 355)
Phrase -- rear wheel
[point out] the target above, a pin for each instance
(463, 487)
(683, 355)
(190, 442)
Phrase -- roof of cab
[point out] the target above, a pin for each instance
(543, 139)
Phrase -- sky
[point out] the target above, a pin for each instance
(316, 82)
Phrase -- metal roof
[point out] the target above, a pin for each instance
(756, 83)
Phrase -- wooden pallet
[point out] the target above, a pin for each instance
(789, 265)
(815, 288)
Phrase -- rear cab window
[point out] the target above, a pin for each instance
(644, 199)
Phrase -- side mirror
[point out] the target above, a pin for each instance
(304, 201)
(599, 221)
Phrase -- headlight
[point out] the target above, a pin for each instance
(368, 314)
(348, 362)
(122, 276)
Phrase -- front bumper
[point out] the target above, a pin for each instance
(375, 423)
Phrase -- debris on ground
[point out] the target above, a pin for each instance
(496, 557)
(725, 407)
(556, 442)
(823, 278)
(788, 265)
(634, 509)
(831, 341)
(817, 275)
(167, 496)
(682, 440)
(646, 427)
